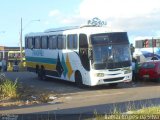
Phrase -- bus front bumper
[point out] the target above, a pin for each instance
(118, 79)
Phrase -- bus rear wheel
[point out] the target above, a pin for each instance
(41, 74)
(78, 79)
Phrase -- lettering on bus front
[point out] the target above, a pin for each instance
(38, 53)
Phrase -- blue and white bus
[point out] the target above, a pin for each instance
(86, 55)
(147, 49)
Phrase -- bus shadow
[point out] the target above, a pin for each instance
(103, 87)
(127, 85)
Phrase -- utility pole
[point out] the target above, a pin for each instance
(21, 49)
(3, 54)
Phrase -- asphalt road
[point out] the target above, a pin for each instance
(102, 99)
(65, 87)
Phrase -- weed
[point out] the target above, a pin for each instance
(98, 116)
(8, 89)
(148, 110)
(131, 106)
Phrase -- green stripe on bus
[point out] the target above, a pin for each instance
(42, 60)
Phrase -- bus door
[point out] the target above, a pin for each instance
(83, 51)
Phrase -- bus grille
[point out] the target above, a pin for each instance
(113, 79)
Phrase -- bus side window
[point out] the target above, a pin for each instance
(30, 42)
(33, 43)
(44, 42)
(37, 44)
(61, 42)
(158, 43)
(139, 44)
(52, 42)
(72, 41)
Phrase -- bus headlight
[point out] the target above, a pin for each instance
(100, 74)
(128, 70)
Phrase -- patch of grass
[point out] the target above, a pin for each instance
(148, 110)
(98, 116)
(9, 89)
(131, 115)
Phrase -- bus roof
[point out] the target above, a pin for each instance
(61, 29)
(87, 29)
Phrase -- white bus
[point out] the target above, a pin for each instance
(86, 55)
(14, 56)
(147, 49)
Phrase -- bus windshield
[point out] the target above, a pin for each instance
(109, 53)
(111, 56)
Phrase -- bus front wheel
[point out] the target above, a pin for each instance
(78, 79)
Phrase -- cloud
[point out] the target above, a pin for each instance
(46, 22)
(137, 17)
(73, 20)
(67, 21)
(117, 8)
(54, 13)
(121, 12)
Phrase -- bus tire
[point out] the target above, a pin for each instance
(41, 73)
(78, 79)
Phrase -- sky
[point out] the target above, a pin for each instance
(140, 18)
